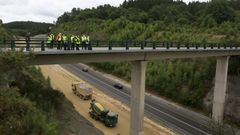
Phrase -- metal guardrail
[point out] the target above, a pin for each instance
(42, 43)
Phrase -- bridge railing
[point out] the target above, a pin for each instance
(126, 44)
(22, 44)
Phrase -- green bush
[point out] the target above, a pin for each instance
(27, 101)
(20, 116)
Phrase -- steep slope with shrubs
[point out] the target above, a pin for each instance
(28, 104)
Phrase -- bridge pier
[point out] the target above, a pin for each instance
(220, 88)
(137, 97)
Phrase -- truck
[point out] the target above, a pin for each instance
(82, 90)
(99, 112)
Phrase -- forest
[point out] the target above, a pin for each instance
(184, 81)
(20, 28)
(216, 21)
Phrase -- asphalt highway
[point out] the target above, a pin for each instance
(179, 120)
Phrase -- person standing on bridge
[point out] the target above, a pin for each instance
(84, 40)
(65, 39)
(72, 42)
(50, 40)
(88, 42)
(59, 40)
(77, 42)
(27, 39)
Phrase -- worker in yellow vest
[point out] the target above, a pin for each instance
(72, 42)
(64, 43)
(52, 43)
(88, 42)
(78, 42)
(84, 40)
(50, 40)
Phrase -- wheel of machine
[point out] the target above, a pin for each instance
(91, 115)
(96, 118)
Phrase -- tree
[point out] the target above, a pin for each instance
(182, 21)
(158, 12)
(136, 15)
(208, 21)
(220, 11)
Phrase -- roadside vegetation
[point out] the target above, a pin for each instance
(27, 102)
(185, 81)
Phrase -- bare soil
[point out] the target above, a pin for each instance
(62, 80)
(72, 123)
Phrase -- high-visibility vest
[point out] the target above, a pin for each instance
(64, 38)
(78, 41)
(72, 39)
(87, 39)
(52, 36)
(49, 39)
(84, 38)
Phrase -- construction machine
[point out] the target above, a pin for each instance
(82, 90)
(99, 112)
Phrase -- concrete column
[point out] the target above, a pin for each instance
(220, 88)
(137, 97)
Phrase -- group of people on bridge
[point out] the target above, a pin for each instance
(69, 42)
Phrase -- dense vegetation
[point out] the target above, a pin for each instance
(21, 28)
(216, 21)
(186, 81)
(27, 101)
(3, 31)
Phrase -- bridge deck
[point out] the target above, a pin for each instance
(53, 56)
(102, 51)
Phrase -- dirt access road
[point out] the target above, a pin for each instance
(62, 80)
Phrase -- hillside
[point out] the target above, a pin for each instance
(29, 105)
(20, 28)
(216, 21)
(185, 81)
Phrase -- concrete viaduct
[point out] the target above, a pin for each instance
(139, 59)
(139, 56)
